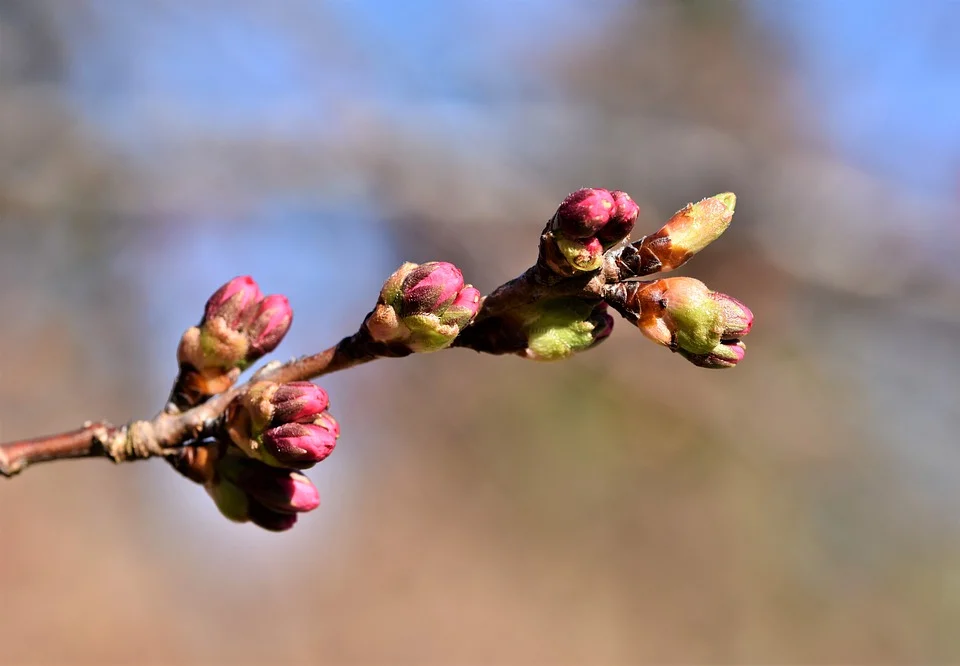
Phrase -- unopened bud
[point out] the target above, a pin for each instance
(683, 314)
(232, 301)
(584, 212)
(283, 490)
(622, 220)
(298, 445)
(724, 355)
(423, 307)
(271, 321)
(587, 223)
(298, 402)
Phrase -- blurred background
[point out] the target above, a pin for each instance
(622, 507)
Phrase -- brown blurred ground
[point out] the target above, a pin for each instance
(622, 507)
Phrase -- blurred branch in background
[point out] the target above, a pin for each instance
(803, 512)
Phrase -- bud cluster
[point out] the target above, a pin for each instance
(284, 425)
(245, 490)
(239, 326)
(587, 223)
(423, 307)
(681, 313)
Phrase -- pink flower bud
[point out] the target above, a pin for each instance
(621, 221)
(584, 212)
(737, 317)
(299, 445)
(430, 288)
(283, 490)
(464, 307)
(231, 301)
(271, 321)
(298, 402)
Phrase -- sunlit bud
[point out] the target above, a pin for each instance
(724, 355)
(423, 307)
(298, 445)
(621, 221)
(737, 317)
(232, 301)
(299, 402)
(463, 309)
(690, 230)
(681, 313)
(429, 289)
(584, 212)
(271, 321)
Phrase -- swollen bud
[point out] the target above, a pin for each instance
(587, 223)
(232, 301)
(684, 315)
(423, 307)
(284, 425)
(271, 321)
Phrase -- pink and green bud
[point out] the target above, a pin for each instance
(587, 223)
(232, 301)
(283, 490)
(463, 309)
(271, 321)
(724, 355)
(584, 213)
(423, 307)
(298, 445)
(690, 230)
(737, 317)
(683, 314)
(298, 402)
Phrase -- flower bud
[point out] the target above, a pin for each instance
(298, 402)
(232, 301)
(724, 355)
(584, 212)
(423, 307)
(298, 445)
(283, 490)
(587, 223)
(737, 317)
(681, 313)
(429, 289)
(271, 321)
(232, 502)
(621, 221)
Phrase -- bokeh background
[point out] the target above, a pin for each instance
(622, 507)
